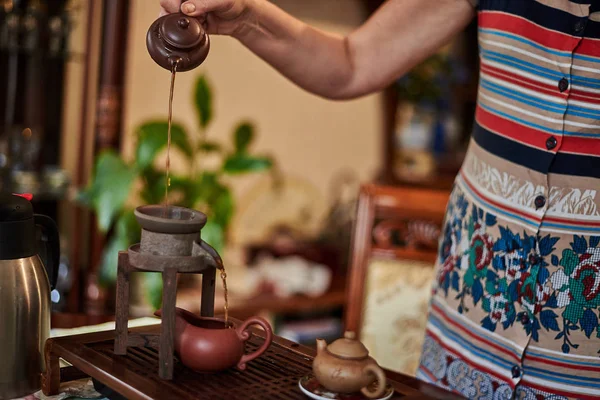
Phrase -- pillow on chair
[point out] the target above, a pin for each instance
(397, 295)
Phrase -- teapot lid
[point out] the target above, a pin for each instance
(181, 31)
(14, 208)
(348, 347)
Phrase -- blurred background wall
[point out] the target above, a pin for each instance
(312, 138)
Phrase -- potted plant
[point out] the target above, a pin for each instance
(116, 180)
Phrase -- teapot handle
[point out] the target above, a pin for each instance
(52, 247)
(381, 381)
(244, 335)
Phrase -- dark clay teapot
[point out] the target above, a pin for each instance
(345, 367)
(206, 345)
(177, 38)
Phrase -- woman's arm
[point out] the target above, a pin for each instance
(401, 34)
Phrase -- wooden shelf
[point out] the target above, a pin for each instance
(266, 303)
(272, 304)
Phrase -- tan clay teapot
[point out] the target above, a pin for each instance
(207, 345)
(345, 367)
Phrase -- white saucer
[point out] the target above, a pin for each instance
(320, 393)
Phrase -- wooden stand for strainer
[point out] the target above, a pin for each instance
(169, 246)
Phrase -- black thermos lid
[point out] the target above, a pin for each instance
(17, 227)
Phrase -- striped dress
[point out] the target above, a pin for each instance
(515, 308)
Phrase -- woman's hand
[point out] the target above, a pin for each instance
(219, 17)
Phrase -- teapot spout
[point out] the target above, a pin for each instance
(321, 346)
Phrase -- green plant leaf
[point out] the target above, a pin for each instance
(127, 233)
(241, 163)
(222, 208)
(109, 188)
(153, 287)
(181, 191)
(243, 136)
(153, 191)
(108, 263)
(210, 147)
(203, 101)
(213, 234)
(128, 226)
(152, 138)
(180, 183)
(204, 189)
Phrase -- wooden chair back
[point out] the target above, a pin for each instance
(396, 223)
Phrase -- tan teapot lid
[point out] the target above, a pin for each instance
(348, 347)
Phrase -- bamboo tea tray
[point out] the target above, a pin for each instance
(274, 375)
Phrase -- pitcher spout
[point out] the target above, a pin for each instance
(181, 320)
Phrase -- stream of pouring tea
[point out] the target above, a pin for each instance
(226, 306)
(168, 183)
(170, 119)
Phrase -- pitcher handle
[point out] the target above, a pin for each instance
(244, 335)
(52, 246)
(381, 382)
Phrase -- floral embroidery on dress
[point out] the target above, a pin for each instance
(508, 277)
(576, 288)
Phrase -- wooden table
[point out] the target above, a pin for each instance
(273, 375)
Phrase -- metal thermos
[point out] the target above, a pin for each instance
(25, 281)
